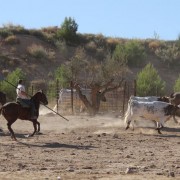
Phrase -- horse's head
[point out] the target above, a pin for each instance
(41, 97)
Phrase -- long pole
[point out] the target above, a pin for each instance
(56, 112)
(41, 103)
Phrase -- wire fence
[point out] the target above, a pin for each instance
(67, 101)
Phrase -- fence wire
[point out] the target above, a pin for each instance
(116, 100)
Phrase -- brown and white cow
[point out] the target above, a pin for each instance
(154, 98)
(157, 111)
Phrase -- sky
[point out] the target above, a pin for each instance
(132, 19)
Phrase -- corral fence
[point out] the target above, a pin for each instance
(67, 101)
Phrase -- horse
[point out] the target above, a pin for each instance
(2, 98)
(13, 111)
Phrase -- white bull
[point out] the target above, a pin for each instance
(144, 99)
(151, 99)
(156, 111)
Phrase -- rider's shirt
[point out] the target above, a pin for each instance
(19, 90)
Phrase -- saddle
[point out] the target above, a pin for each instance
(22, 103)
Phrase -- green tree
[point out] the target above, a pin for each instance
(12, 78)
(177, 85)
(135, 53)
(120, 54)
(62, 74)
(99, 77)
(131, 53)
(74, 69)
(68, 30)
(149, 82)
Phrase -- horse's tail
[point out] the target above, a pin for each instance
(1, 110)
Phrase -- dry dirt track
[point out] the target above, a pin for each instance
(89, 148)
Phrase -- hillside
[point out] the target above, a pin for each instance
(13, 55)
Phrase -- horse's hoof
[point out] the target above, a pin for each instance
(14, 139)
(39, 133)
(26, 135)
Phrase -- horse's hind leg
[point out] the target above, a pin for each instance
(38, 125)
(10, 130)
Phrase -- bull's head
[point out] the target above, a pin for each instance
(164, 99)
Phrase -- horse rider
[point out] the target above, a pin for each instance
(22, 98)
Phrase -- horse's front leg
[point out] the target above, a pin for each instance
(11, 131)
(35, 128)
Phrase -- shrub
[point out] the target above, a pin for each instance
(9, 86)
(169, 54)
(177, 85)
(91, 46)
(132, 53)
(15, 29)
(4, 33)
(153, 45)
(37, 51)
(61, 45)
(50, 30)
(149, 82)
(120, 54)
(111, 43)
(135, 53)
(12, 39)
(100, 40)
(62, 74)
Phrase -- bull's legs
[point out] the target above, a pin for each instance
(175, 120)
(128, 124)
(159, 130)
(10, 130)
(133, 125)
(159, 127)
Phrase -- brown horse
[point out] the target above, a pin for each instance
(13, 111)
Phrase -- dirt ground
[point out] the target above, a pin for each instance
(89, 148)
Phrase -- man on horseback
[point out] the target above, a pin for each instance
(23, 99)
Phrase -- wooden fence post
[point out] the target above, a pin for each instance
(124, 96)
(135, 86)
(57, 95)
(72, 103)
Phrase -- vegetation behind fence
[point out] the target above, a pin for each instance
(70, 103)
